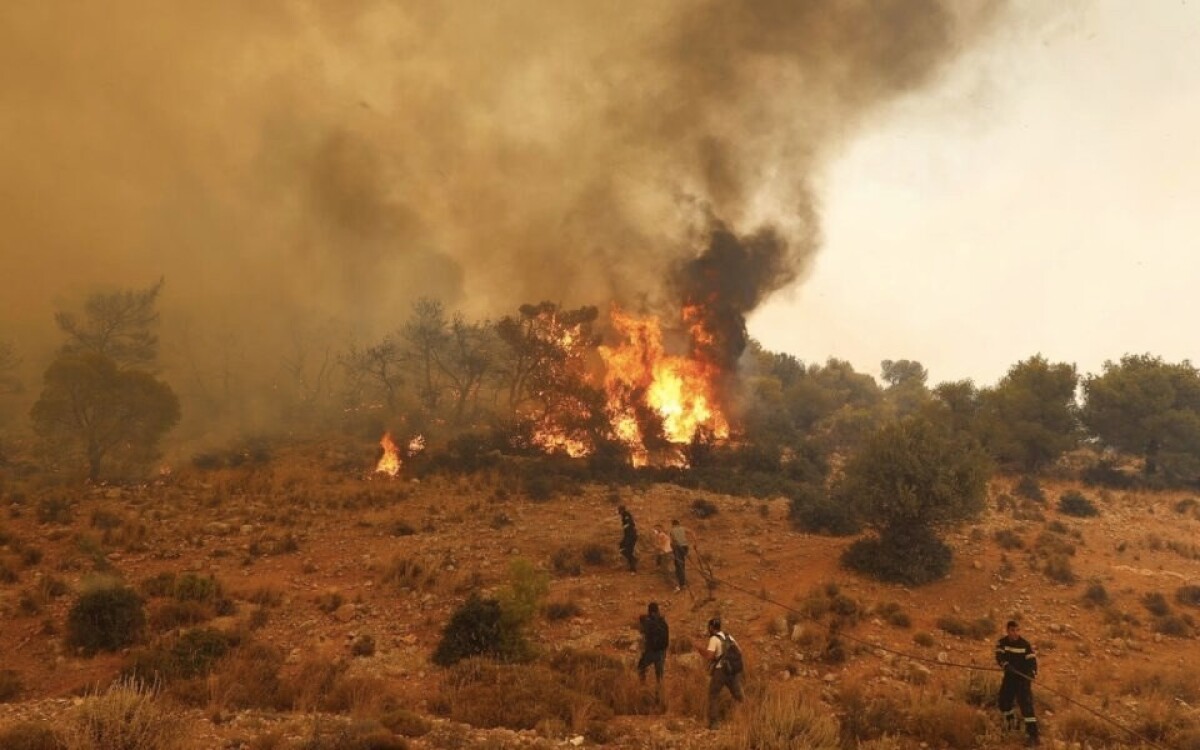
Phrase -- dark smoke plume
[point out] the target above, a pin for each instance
(300, 171)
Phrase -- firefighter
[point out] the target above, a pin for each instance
(1016, 657)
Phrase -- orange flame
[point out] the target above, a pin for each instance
(389, 462)
(678, 389)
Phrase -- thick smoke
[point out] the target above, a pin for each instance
(299, 172)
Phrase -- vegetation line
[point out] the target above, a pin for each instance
(711, 580)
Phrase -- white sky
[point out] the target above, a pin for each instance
(1044, 198)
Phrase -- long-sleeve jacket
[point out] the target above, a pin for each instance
(1016, 655)
(628, 530)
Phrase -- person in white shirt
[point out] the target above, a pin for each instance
(720, 677)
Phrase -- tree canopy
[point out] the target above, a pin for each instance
(1030, 418)
(112, 418)
(1149, 408)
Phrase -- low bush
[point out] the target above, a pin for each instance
(127, 716)
(30, 735)
(1156, 604)
(11, 686)
(1008, 539)
(911, 557)
(1177, 626)
(107, 616)
(811, 509)
(561, 610)
(565, 561)
(1095, 595)
(702, 508)
(1188, 596)
(1074, 503)
(787, 716)
(978, 629)
(1057, 567)
(479, 628)
(598, 555)
(1029, 489)
(406, 723)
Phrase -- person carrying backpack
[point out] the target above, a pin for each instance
(725, 667)
(656, 637)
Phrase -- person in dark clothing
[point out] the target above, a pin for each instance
(679, 545)
(656, 637)
(1016, 657)
(628, 537)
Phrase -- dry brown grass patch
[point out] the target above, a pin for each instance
(785, 716)
(126, 716)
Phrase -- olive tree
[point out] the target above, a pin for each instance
(1149, 408)
(911, 478)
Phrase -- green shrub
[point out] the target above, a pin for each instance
(478, 628)
(811, 509)
(1073, 503)
(106, 617)
(912, 557)
(194, 588)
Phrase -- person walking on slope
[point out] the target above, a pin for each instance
(628, 537)
(725, 673)
(656, 637)
(662, 547)
(679, 545)
(1016, 657)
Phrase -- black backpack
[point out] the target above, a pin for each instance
(657, 634)
(731, 656)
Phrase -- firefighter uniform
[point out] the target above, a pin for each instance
(1016, 657)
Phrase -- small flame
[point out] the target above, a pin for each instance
(416, 445)
(389, 462)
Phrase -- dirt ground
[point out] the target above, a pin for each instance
(330, 535)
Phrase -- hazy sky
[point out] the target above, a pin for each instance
(1040, 198)
(961, 182)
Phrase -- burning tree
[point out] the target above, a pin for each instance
(546, 375)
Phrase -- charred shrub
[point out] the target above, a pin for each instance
(469, 452)
(1073, 503)
(106, 617)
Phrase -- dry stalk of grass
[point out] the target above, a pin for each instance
(126, 716)
(785, 716)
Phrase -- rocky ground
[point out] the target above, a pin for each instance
(322, 542)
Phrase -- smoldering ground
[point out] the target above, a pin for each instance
(299, 172)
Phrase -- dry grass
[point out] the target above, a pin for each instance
(126, 716)
(782, 717)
